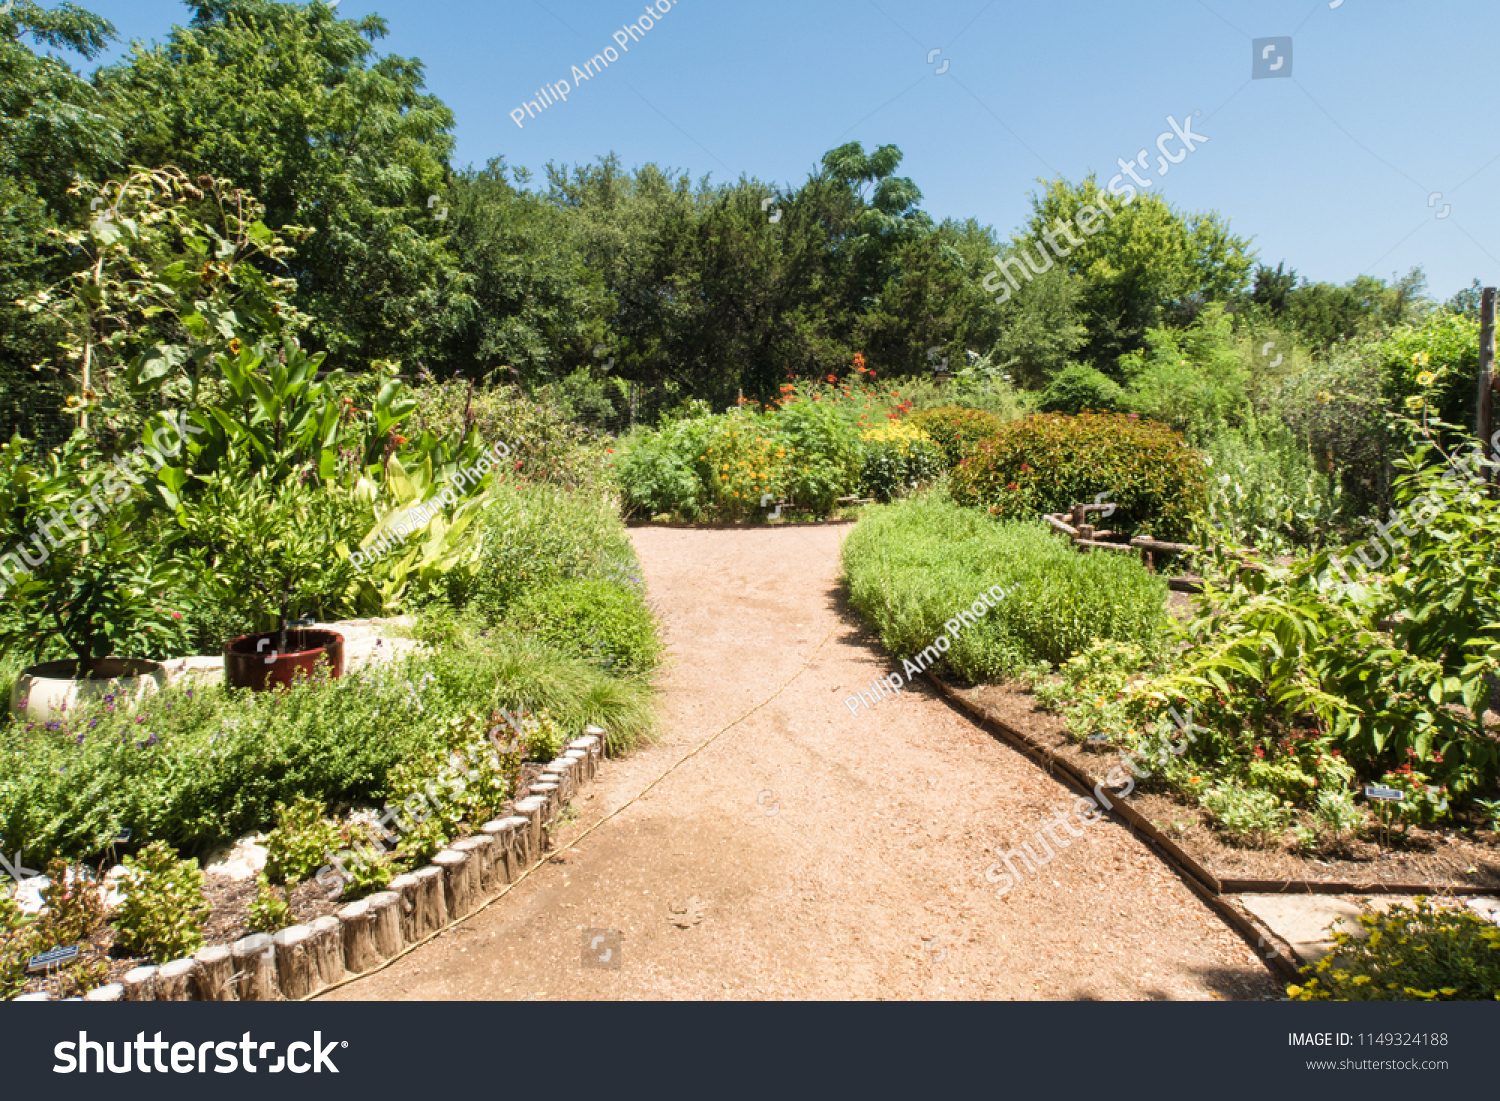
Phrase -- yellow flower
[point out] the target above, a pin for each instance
(1426, 378)
(1421, 359)
(1325, 397)
(1361, 980)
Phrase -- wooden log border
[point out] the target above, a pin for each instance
(300, 961)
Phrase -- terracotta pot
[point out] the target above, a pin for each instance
(46, 692)
(253, 661)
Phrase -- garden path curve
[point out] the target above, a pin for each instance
(810, 853)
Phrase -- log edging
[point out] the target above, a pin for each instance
(301, 961)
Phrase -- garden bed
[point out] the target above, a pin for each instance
(1439, 859)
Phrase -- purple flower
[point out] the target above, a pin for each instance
(79, 741)
(139, 719)
(153, 740)
(189, 693)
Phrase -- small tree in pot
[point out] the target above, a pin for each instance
(267, 546)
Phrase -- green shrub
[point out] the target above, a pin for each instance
(163, 911)
(898, 457)
(597, 620)
(1248, 815)
(270, 912)
(956, 430)
(1265, 490)
(1409, 953)
(1078, 389)
(825, 455)
(1190, 378)
(914, 565)
(536, 536)
(659, 469)
(1048, 463)
(299, 844)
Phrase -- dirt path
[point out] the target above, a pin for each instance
(822, 855)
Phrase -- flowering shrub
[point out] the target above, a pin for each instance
(858, 398)
(956, 430)
(898, 456)
(742, 462)
(1047, 463)
(1409, 953)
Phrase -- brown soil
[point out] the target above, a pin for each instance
(1441, 858)
(793, 850)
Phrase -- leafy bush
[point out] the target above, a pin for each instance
(536, 536)
(825, 455)
(1265, 490)
(956, 430)
(270, 912)
(1048, 463)
(1190, 378)
(1435, 361)
(1409, 953)
(163, 911)
(898, 457)
(914, 565)
(597, 620)
(299, 844)
(546, 446)
(743, 461)
(1080, 389)
(659, 469)
(1249, 815)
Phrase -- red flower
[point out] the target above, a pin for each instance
(1025, 469)
(1012, 486)
(833, 378)
(1260, 753)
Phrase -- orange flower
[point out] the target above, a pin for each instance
(235, 346)
(833, 378)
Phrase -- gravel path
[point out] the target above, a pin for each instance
(809, 853)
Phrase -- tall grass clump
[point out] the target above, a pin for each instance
(914, 565)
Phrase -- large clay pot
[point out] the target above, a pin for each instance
(253, 661)
(48, 691)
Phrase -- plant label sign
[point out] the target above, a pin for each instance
(1389, 795)
(1098, 739)
(48, 960)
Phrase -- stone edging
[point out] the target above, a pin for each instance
(303, 960)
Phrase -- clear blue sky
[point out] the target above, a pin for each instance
(1331, 169)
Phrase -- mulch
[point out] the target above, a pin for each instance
(1442, 858)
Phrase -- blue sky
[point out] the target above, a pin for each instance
(1332, 169)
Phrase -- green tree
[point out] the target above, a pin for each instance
(1142, 268)
(294, 105)
(53, 130)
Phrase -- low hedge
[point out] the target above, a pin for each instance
(914, 565)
